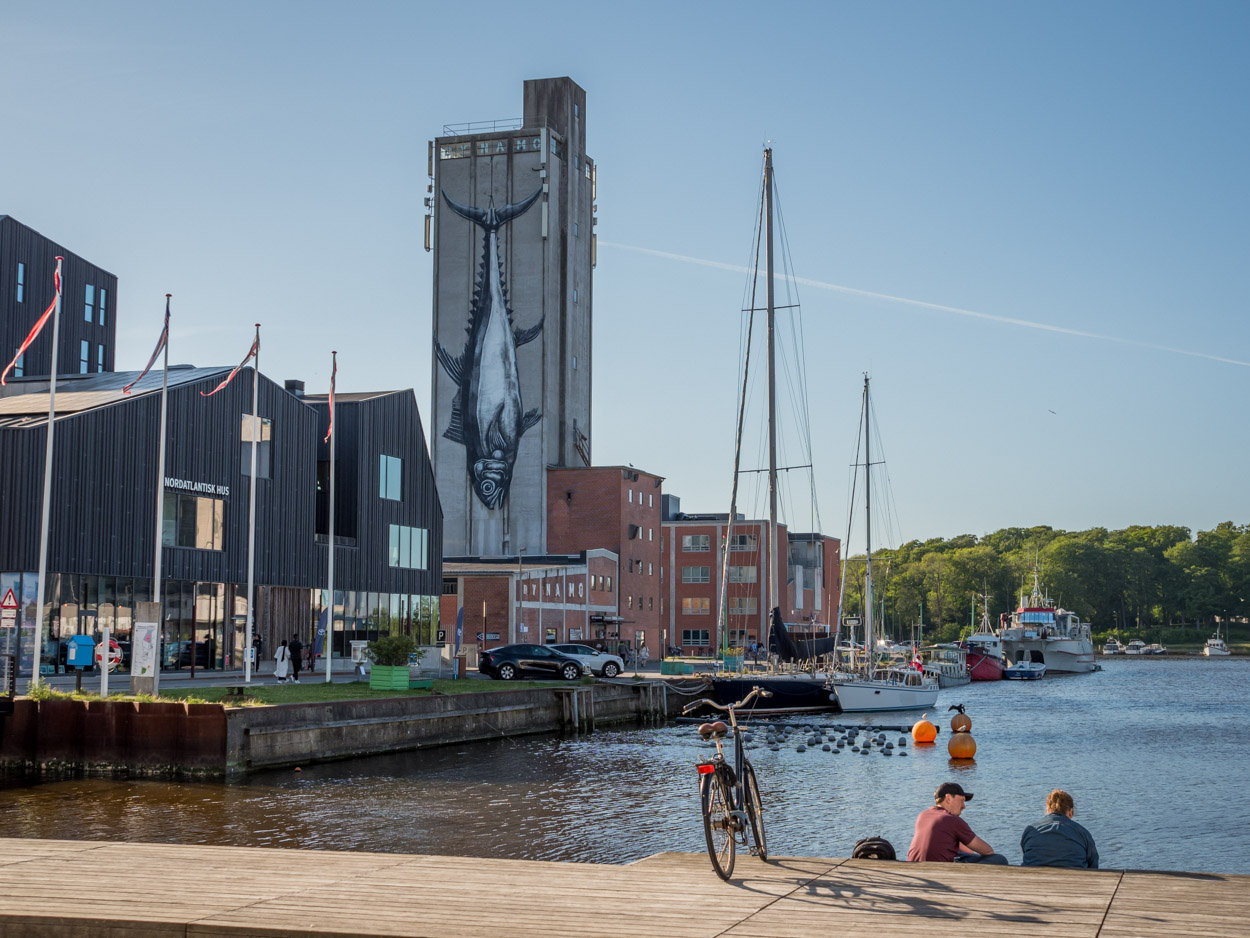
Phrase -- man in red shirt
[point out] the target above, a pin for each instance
(943, 836)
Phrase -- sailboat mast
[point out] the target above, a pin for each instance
(869, 648)
(771, 571)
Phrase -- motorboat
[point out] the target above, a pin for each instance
(1113, 647)
(1215, 647)
(1024, 671)
(1135, 647)
(1155, 649)
(1038, 631)
(948, 663)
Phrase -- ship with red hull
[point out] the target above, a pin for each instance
(985, 656)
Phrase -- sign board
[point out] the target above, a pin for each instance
(442, 636)
(8, 611)
(145, 649)
(488, 636)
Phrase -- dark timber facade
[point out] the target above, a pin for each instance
(104, 500)
(88, 305)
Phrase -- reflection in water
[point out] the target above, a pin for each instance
(1154, 752)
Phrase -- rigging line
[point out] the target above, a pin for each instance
(722, 611)
(850, 514)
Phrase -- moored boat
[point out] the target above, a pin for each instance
(1155, 649)
(984, 650)
(1215, 646)
(1024, 671)
(1135, 647)
(1113, 647)
(947, 663)
(1039, 632)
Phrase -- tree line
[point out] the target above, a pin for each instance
(1140, 578)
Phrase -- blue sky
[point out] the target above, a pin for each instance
(1077, 166)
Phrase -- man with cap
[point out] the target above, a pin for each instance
(943, 836)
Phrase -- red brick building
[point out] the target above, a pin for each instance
(614, 508)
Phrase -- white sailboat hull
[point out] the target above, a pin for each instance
(865, 696)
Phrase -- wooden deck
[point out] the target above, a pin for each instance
(86, 888)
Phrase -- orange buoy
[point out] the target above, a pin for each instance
(960, 722)
(962, 746)
(923, 731)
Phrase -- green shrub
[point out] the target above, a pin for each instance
(393, 650)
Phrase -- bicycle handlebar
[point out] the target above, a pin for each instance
(756, 691)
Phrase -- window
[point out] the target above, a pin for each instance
(631, 496)
(99, 358)
(548, 589)
(410, 547)
(651, 501)
(696, 606)
(21, 282)
(575, 110)
(650, 569)
(650, 603)
(19, 365)
(650, 534)
(450, 586)
(742, 542)
(262, 454)
(575, 363)
(574, 229)
(743, 605)
(695, 637)
(609, 586)
(696, 574)
(104, 302)
(84, 357)
(695, 542)
(88, 310)
(631, 602)
(390, 477)
(192, 521)
(743, 574)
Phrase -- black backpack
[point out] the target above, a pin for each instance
(873, 848)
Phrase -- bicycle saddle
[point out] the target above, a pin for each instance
(717, 729)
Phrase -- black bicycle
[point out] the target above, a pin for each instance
(729, 794)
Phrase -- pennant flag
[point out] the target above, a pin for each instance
(42, 321)
(230, 377)
(333, 371)
(160, 344)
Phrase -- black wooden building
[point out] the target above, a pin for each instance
(88, 304)
(104, 502)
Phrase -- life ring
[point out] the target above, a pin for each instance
(114, 655)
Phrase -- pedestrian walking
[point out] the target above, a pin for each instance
(297, 655)
(282, 662)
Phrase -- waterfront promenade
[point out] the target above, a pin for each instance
(86, 888)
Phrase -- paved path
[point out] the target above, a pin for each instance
(54, 888)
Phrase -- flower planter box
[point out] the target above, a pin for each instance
(388, 677)
(732, 662)
(414, 684)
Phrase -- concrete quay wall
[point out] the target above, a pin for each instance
(53, 737)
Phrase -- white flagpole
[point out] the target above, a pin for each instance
(325, 644)
(41, 588)
(160, 512)
(251, 512)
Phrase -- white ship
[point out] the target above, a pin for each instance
(1039, 632)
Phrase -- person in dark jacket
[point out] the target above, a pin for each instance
(296, 648)
(1057, 840)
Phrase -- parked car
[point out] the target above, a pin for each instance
(178, 654)
(512, 661)
(594, 660)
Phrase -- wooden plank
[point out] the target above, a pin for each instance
(141, 891)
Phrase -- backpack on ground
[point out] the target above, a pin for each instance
(873, 848)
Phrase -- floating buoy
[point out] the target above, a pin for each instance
(962, 746)
(924, 731)
(960, 722)
(298, 769)
(801, 748)
(901, 753)
(826, 747)
(902, 740)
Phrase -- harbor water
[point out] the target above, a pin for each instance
(1154, 752)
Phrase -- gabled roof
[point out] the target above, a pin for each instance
(25, 403)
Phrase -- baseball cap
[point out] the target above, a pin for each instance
(950, 788)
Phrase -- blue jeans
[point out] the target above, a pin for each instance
(996, 859)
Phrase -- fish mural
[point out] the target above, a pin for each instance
(486, 413)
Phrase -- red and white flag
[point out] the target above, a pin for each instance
(39, 324)
(251, 353)
(333, 372)
(160, 344)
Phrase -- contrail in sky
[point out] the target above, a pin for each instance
(851, 291)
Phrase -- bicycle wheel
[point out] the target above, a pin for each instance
(718, 825)
(755, 809)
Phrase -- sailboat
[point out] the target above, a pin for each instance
(873, 687)
(798, 684)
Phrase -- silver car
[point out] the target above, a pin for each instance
(595, 661)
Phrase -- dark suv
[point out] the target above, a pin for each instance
(513, 661)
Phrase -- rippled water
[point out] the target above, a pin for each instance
(1153, 751)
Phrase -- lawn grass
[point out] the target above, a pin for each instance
(314, 692)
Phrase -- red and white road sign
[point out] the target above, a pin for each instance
(8, 611)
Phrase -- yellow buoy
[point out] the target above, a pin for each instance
(924, 731)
